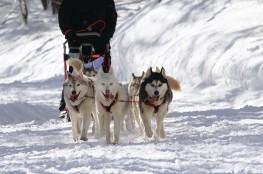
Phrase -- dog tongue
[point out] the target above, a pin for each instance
(108, 95)
(153, 99)
(73, 97)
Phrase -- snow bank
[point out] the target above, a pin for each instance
(214, 48)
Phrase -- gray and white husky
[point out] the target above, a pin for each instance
(133, 91)
(155, 95)
(110, 99)
(80, 101)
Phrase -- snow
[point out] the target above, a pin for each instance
(214, 48)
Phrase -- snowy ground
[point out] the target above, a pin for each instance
(215, 125)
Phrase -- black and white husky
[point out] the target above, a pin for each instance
(155, 95)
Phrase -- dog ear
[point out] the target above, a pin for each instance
(79, 75)
(66, 82)
(163, 72)
(69, 75)
(148, 72)
(142, 74)
(158, 69)
(133, 75)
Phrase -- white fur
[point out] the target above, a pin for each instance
(80, 109)
(108, 82)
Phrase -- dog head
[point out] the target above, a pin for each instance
(74, 64)
(90, 72)
(134, 84)
(75, 88)
(154, 85)
(106, 85)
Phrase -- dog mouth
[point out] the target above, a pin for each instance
(108, 95)
(154, 98)
(73, 98)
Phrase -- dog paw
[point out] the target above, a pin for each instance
(84, 138)
(115, 142)
(76, 140)
(149, 134)
(162, 134)
(156, 136)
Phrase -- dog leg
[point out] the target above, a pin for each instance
(159, 121)
(129, 122)
(85, 126)
(146, 118)
(159, 126)
(136, 113)
(74, 122)
(118, 120)
(93, 125)
(101, 124)
(107, 120)
(97, 125)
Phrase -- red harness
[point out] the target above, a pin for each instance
(150, 102)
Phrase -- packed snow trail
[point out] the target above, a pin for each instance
(212, 141)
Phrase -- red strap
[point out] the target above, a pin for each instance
(67, 31)
(95, 56)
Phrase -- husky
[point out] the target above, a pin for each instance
(90, 72)
(110, 99)
(155, 95)
(79, 97)
(133, 91)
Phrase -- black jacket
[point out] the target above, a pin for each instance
(79, 14)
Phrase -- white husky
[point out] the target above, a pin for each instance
(80, 100)
(155, 94)
(110, 99)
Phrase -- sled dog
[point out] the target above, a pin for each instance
(133, 91)
(155, 94)
(79, 98)
(110, 99)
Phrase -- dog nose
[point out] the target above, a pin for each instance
(74, 92)
(70, 69)
(107, 91)
(156, 93)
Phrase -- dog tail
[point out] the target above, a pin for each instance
(174, 84)
(76, 64)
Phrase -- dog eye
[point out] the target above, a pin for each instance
(70, 85)
(160, 85)
(152, 85)
(103, 84)
(78, 84)
(111, 84)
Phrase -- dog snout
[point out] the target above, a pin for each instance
(107, 91)
(74, 92)
(156, 93)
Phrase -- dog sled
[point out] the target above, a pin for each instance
(85, 52)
